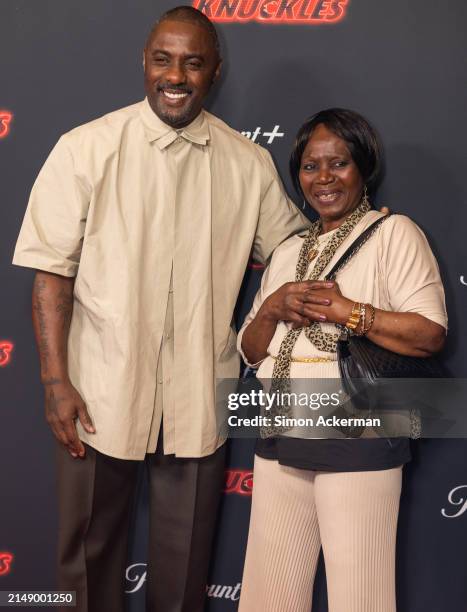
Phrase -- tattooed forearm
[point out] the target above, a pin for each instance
(52, 308)
(65, 307)
(50, 382)
(38, 306)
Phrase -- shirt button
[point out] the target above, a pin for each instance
(159, 382)
(178, 139)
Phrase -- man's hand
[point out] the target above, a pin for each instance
(63, 405)
(52, 307)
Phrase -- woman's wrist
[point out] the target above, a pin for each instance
(346, 312)
(266, 313)
(367, 319)
(361, 318)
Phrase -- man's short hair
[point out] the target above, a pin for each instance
(189, 14)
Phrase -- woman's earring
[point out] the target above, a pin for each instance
(365, 199)
(304, 204)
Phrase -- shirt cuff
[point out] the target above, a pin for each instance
(239, 348)
(45, 264)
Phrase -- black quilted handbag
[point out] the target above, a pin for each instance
(364, 366)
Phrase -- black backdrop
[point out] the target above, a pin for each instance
(401, 64)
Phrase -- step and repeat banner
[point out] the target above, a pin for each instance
(402, 65)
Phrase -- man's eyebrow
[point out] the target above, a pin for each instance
(188, 56)
(194, 56)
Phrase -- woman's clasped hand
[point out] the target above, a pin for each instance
(303, 302)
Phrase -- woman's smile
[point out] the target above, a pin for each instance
(327, 195)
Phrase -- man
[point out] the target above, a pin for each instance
(140, 225)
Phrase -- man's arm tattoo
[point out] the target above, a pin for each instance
(38, 307)
(65, 307)
(50, 382)
(52, 402)
(52, 310)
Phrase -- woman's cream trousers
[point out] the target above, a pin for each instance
(352, 515)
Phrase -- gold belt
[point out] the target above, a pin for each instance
(307, 359)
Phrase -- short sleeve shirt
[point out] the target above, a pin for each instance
(105, 209)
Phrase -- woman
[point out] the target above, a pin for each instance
(341, 494)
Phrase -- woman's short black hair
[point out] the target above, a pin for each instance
(361, 139)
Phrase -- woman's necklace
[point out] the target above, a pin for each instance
(318, 246)
(313, 254)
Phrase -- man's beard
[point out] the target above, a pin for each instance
(175, 117)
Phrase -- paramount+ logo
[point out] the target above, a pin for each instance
(308, 12)
(458, 502)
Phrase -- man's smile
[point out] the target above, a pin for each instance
(174, 96)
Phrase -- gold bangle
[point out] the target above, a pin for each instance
(355, 316)
(372, 318)
(362, 331)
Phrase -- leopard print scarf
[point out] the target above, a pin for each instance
(321, 340)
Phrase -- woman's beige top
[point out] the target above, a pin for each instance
(395, 270)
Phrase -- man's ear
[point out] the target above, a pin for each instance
(217, 71)
(144, 59)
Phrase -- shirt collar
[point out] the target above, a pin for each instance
(163, 135)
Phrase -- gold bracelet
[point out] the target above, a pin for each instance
(362, 331)
(355, 316)
(366, 329)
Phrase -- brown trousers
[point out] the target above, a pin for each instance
(95, 499)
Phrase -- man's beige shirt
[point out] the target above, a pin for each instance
(125, 204)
